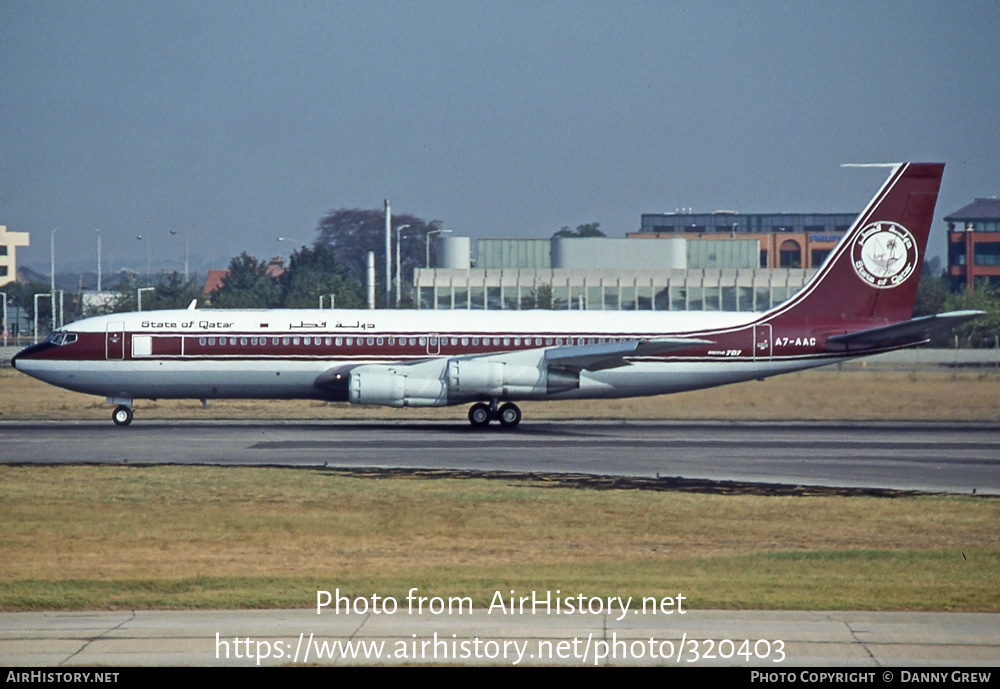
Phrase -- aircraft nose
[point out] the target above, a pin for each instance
(27, 352)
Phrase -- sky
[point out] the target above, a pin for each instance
(238, 122)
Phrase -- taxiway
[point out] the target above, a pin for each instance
(952, 458)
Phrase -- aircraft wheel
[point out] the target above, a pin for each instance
(510, 415)
(122, 415)
(479, 415)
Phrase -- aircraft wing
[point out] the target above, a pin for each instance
(591, 357)
(597, 357)
(913, 331)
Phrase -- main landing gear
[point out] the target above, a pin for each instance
(122, 415)
(481, 414)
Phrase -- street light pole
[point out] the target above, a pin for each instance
(187, 250)
(388, 252)
(40, 295)
(292, 239)
(399, 236)
(52, 280)
(146, 239)
(138, 295)
(6, 327)
(333, 300)
(98, 260)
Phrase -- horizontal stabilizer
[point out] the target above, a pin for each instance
(908, 332)
(597, 357)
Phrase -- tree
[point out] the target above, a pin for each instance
(21, 299)
(352, 233)
(247, 286)
(170, 291)
(932, 290)
(538, 298)
(982, 331)
(315, 272)
(588, 230)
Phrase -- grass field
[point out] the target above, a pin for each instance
(117, 537)
(173, 537)
(855, 394)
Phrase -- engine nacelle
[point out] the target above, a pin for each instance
(387, 385)
(500, 379)
(432, 383)
(493, 378)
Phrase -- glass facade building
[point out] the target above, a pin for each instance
(747, 289)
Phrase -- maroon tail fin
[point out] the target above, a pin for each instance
(871, 276)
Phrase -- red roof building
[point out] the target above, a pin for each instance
(216, 276)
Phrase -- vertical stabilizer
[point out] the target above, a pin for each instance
(871, 275)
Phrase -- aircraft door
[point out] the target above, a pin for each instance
(433, 344)
(115, 340)
(762, 342)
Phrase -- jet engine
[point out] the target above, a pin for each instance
(436, 383)
(395, 386)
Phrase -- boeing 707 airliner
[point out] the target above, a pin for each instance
(860, 302)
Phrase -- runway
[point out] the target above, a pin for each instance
(953, 458)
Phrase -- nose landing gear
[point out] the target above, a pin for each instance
(122, 415)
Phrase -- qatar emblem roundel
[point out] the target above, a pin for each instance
(884, 254)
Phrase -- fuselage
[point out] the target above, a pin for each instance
(208, 353)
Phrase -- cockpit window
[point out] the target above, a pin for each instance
(61, 337)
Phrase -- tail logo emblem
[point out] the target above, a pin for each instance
(884, 255)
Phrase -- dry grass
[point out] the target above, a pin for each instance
(855, 394)
(203, 537)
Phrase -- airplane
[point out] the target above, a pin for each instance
(860, 302)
